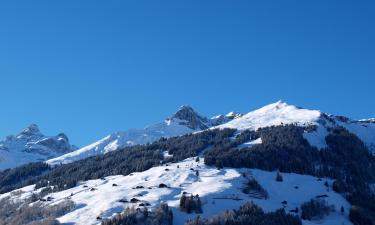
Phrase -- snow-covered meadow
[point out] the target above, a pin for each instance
(219, 190)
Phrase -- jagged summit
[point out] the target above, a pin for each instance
(221, 119)
(185, 107)
(233, 115)
(190, 118)
(31, 130)
(31, 145)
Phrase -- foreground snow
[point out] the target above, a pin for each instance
(219, 190)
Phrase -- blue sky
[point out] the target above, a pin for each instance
(88, 68)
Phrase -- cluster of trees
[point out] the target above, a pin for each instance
(11, 179)
(284, 148)
(354, 170)
(191, 145)
(190, 203)
(21, 212)
(124, 162)
(316, 209)
(253, 186)
(279, 177)
(249, 214)
(361, 216)
(160, 216)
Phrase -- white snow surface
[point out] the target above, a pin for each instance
(250, 143)
(219, 190)
(272, 115)
(317, 137)
(364, 130)
(20, 194)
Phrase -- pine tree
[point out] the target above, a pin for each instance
(182, 201)
(279, 178)
(199, 205)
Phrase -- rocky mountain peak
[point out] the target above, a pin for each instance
(31, 145)
(190, 118)
(30, 132)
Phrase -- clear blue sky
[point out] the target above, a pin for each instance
(88, 68)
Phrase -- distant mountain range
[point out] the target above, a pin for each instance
(31, 145)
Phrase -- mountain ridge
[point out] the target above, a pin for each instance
(187, 120)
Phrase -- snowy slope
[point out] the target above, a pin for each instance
(118, 140)
(31, 145)
(184, 121)
(272, 115)
(365, 130)
(280, 113)
(219, 190)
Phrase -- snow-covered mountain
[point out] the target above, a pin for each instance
(220, 188)
(281, 113)
(30, 145)
(273, 114)
(185, 120)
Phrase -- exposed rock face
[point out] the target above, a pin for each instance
(221, 119)
(190, 118)
(30, 132)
